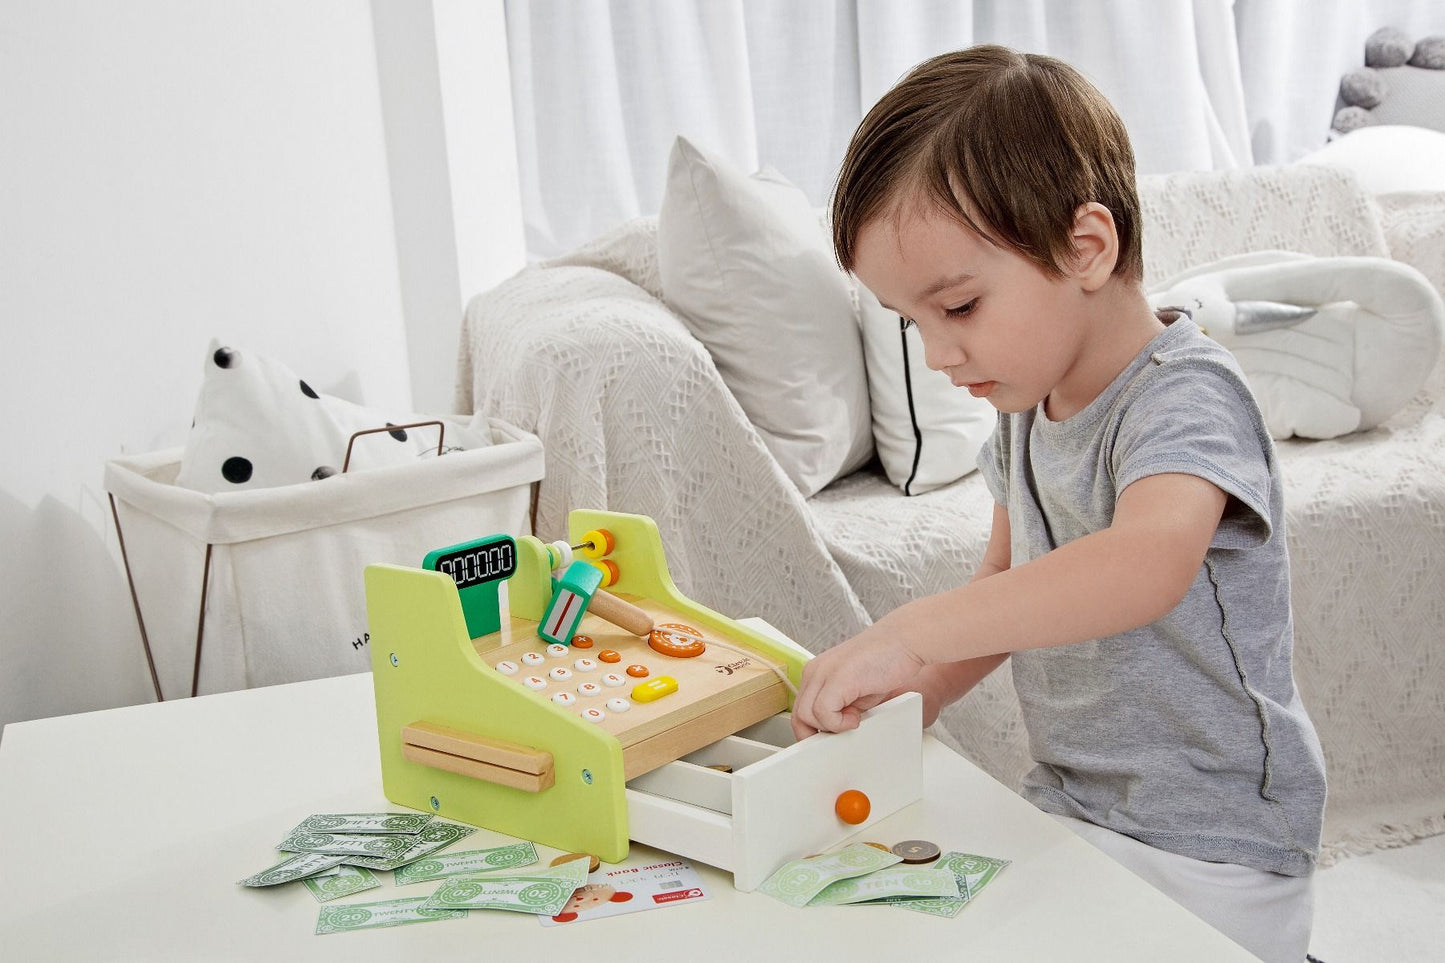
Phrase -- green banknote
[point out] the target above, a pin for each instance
(799, 881)
(471, 861)
(363, 823)
(347, 844)
(295, 866)
(346, 881)
(972, 872)
(436, 836)
(892, 881)
(544, 892)
(345, 917)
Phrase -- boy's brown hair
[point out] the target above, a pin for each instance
(1010, 143)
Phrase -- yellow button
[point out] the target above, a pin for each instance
(654, 689)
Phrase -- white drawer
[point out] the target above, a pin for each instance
(777, 803)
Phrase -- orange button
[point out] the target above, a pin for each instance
(637, 671)
(654, 689)
(610, 655)
(582, 641)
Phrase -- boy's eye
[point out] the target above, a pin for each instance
(963, 310)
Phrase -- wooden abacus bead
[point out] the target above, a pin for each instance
(609, 571)
(559, 554)
(597, 543)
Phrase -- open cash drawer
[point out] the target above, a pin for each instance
(777, 803)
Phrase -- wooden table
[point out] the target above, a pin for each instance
(123, 833)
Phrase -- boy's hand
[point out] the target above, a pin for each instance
(849, 679)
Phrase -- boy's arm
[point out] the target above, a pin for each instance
(1128, 575)
(943, 683)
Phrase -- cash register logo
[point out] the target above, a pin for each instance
(732, 667)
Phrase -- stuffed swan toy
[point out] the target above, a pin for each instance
(1329, 345)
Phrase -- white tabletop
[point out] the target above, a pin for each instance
(123, 833)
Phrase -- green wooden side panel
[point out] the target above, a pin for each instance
(424, 668)
(529, 591)
(642, 570)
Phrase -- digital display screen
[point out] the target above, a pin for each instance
(479, 563)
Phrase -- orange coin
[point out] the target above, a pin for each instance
(610, 655)
(637, 671)
(592, 861)
(852, 806)
(582, 641)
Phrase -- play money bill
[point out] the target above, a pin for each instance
(972, 872)
(799, 881)
(472, 861)
(346, 844)
(344, 882)
(356, 823)
(437, 835)
(893, 881)
(345, 917)
(295, 866)
(544, 892)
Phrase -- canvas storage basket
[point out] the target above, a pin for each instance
(281, 568)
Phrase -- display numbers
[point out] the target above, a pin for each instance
(476, 564)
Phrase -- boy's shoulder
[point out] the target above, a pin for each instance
(1185, 365)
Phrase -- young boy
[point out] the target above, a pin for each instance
(1137, 572)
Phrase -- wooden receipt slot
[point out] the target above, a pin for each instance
(468, 754)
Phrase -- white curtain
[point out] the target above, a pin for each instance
(601, 87)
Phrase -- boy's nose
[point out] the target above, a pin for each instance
(941, 357)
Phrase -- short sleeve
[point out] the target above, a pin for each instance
(1194, 415)
(993, 462)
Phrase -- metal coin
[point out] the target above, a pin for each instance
(916, 851)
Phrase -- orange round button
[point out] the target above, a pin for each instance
(852, 806)
(610, 655)
(677, 640)
(637, 671)
(581, 641)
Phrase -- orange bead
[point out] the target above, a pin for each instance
(581, 641)
(852, 806)
(637, 671)
(610, 655)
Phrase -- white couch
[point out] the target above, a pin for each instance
(634, 417)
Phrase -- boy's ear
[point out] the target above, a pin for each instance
(1096, 245)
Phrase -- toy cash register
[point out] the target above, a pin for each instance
(586, 707)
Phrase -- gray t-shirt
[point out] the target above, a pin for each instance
(1187, 734)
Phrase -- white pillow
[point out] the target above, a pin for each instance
(928, 432)
(1389, 158)
(746, 265)
(258, 425)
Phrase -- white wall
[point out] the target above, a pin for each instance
(173, 170)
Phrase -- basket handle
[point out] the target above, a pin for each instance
(441, 436)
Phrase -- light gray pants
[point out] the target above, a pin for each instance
(1266, 913)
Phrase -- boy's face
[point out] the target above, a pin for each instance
(991, 319)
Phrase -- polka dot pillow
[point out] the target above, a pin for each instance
(258, 425)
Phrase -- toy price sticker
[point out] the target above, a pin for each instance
(630, 889)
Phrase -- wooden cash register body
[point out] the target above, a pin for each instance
(459, 738)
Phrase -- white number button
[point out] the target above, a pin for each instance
(618, 705)
(557, 651)
(507, 668)
(584, 665)
(593, 714)
(589, 689)
(532, 658)
(613, 679)
(560, 674)
(534, 682)
(564, 698)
